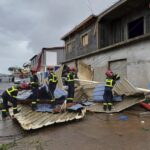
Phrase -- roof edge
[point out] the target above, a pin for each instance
(79, 25)
(108, 10)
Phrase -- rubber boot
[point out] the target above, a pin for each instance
(34, 106)
(104, 106)
(109, 106)
(4, 114)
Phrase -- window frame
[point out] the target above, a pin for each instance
(82, 39)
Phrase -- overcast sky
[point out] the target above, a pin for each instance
(26, 26)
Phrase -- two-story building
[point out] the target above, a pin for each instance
(118, 38)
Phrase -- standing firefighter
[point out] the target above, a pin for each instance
(34, 84)
(10, 95)
(70, 83)
(52, 82)
(109, 83)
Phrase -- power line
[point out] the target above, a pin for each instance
(89, 5)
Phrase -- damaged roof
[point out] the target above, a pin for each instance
(29, 119)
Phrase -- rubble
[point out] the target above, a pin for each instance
(131, 96)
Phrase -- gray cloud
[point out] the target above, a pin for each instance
(29, 25)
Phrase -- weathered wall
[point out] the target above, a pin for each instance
(138, 62)
(77, 48)
(60, 56)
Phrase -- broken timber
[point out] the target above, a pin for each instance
(29, 119)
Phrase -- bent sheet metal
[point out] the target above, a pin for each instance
(29, 119)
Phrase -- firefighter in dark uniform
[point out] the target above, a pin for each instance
(10, 95)
(34, 85)
(70, 83)
(109, 83)
(52, 82)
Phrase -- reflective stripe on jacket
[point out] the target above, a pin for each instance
(109, 82)
(11, 90)
(53, 77)
(70, 77)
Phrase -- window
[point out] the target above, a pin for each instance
(136, 28)
(84, 39)
(69, 47)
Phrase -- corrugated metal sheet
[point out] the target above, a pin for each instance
(126, 103)
(124, 87)
(29, 119)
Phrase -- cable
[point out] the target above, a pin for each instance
(89, 6)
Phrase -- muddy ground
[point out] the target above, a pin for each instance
(97, 131)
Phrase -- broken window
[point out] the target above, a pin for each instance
(85, 39)
(136, 28)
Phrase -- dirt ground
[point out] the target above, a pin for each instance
(95, 131)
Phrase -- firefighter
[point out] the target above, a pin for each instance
(34, 77)
(70, 83)
(10, 95)
(111, 79)
(34, 85)
(52, 82)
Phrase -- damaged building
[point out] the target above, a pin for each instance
(118, 38)
(48, 56)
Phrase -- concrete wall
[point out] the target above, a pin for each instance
(138, 62)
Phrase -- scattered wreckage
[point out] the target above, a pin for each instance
(88, 97)
(46, 113)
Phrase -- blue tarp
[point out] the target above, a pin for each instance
(59, 93)
(87, 103)
(75, 107)
(98, 93)
(44, 108)
(43, 93)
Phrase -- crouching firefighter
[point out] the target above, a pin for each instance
(10, 95)
(34, 85)
(109, 83)
(70, 83)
